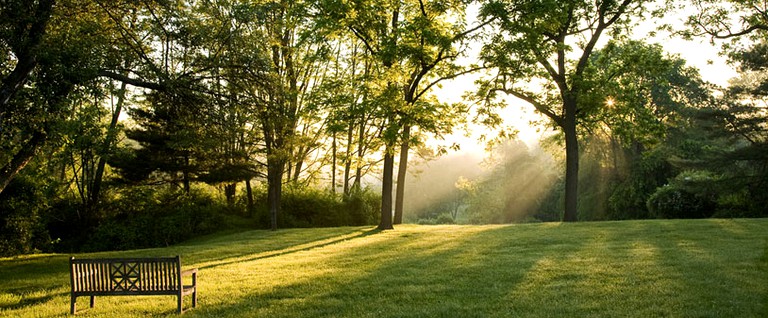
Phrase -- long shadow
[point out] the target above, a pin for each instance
(31, 301)
(242, 246)
(320, 243)
(649, 268)
(19, 276)
(481, 266)
(48, 276)
(711, 275)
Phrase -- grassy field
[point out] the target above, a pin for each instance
(658, 268)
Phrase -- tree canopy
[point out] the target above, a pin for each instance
(292, 113)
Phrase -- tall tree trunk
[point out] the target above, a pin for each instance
(249, 197)
(185, 175)
(360, 154)
(386, 190)
(289, 170)
(389, 156)
(348, 159)
(401, 174)
(571, 163)
(333, 164)
(230, 190)
(275, 168)
(297, 169)
(95, 192)
(14, 81)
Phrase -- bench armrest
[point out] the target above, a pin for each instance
(188, 272)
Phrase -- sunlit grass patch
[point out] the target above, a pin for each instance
(702, 268)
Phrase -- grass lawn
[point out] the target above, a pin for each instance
(657, 268)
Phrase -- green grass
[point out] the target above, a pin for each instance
(701, 268)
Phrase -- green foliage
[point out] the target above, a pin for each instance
(444, 218)
(315, 207)
(362, 206)
(308, 207)
(21, 229)
(645, 175)
(143, 217)
(689, 195)
(732, 19)
(639, 92)
(551, 43)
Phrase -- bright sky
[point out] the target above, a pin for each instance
(698, 53)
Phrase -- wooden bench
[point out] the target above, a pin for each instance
(130, 276)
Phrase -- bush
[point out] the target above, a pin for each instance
(630, 196)
(307, 207)
(363, 206)
(672, 202)
(142, 217)
(313, 207)
(21, 232)
(444, 218)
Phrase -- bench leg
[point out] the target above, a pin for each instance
(179, 302)
(72, 304)
(194, 298)
(92, 302)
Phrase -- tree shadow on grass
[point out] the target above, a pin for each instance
(48, 276)
(468, 273)
(648, 268)
(704, 269)
(285, 250)
(32, 301)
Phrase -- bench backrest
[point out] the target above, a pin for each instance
(125, 275)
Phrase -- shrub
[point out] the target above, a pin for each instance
(21, 232)
(313, 207)
(444, 218)
(363, 206)
(672, 202)
(143, 217)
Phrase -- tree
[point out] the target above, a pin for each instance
(729, 19)
(541, 49)
(432, 45)
(739, 123)
(273, 69)
(376, 24)
(22, 32)
(50, 48)
(352, 128)
(417, 45)
(740, 112)
(638, 111)
(172, 141)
